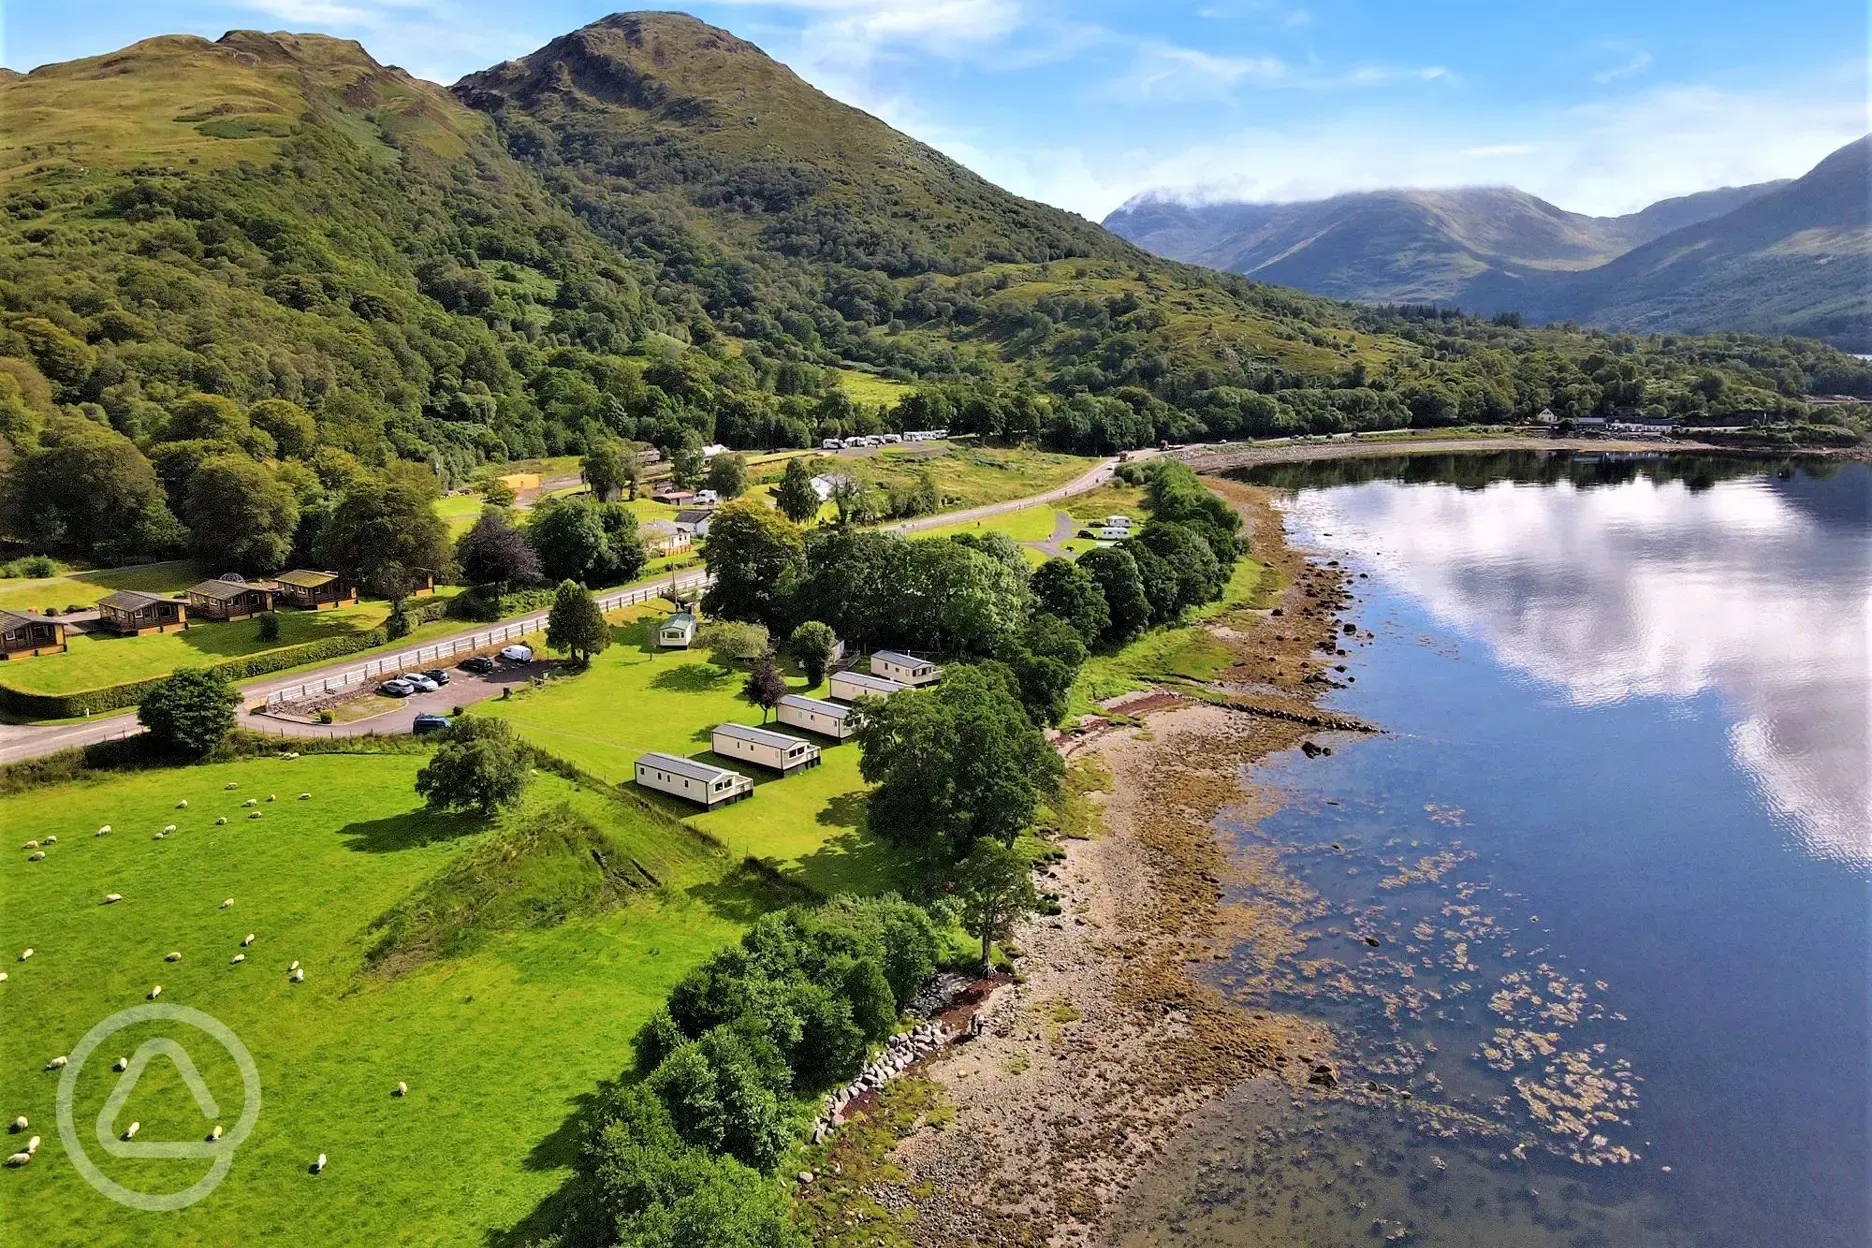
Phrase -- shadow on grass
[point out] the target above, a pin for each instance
(568, 1208)
(410, 830)
(741, 895)
(692, 678)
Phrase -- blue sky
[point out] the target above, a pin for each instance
(1598, 106)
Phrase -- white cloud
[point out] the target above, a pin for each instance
(1637, 63)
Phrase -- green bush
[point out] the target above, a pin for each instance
(30, 567)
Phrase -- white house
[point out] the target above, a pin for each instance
(663, 537)
(702, 783)
(905, 669)
(856, 686)
(828, 719)
(779, 751)
(713, 449)
(694, 520)
(678, 632)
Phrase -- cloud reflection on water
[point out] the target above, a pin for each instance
(1654, 590)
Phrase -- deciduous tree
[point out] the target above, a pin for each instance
(240, 515)
(795, 496)
(575, 625)
(482, 765)
(813, 645)
(765, 685)
(191, 712)
(755, 556)
(995, 886)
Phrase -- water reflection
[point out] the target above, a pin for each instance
(1661, 588)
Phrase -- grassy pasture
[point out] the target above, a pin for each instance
(83, 589)
(871, 390)
(498, 1047)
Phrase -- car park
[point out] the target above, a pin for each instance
(420, 683)
(517, 654)
(396, 688)
(438, 674)
(429, 722)
(479, 664)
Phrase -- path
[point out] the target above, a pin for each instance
(23, 741)
(1065, 528)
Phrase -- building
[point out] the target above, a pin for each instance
(777, 751)
(678, 632)
(1642, 426)
(1118, 522)
(315, 591)
(1109, 533)
(662, 537)
(712, 450)
(24, 636)
(230, 599)
(856, 686)
(673, 497)
(1546, 417)
(131, 612)
(905, 669)
(702, 783)
(694, 521)
(828, 719)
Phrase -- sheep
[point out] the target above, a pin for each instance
(19, 1159)
(252, 801)
(30, 845)
(253, 814)
(230, 786)
(215, 1134)
(248, 941)
(38, 855)
(305, 797)
(154, 993)
(319, 1165)
(103, 831)
(2, 977)
(221, 822)
(168, 828)
(51, 840)
(131, 1130)
(237, 959)
(57, 1063)
(298, 977)
(272, 798)
(112, 898)
(174, 955)
(182, 805)
(157, 837)
(227, 903)
(120, 1065)
(24, 954)
(294, 966)
(401, 1089)
(20, 1124)
(32, 1146)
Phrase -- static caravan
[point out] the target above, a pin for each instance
(677, 631)
(828, 719)
(1119, 521)
(905, 669)
(702, 783)
(777, 751)
(855, 686)
(1106, 533)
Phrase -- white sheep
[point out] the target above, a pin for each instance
(38, 855)
(227, 903)
(30, 845)
(402, 1089)
(319, 1165)
(57, 1063)
(154, 993)
(121, 1064)
(104, 831)
(168, 828)
(230, 786)
(19, 1159)
(20, 1123)
(305, 797)
(51, 840)
(216, 1133)
(248, 941)
(182, 805)
(237, 959)
(221, 822)
(131, 1130)
(25, 953)
(253, 814)
(2, 977)
(112, 898)
(298, 977)
(272, 798)
(32, 1146)
(252, 801)
(157, 837)
(174, 955)
(294, 966)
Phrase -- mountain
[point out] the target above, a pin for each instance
(1776, 257)
(649, 228)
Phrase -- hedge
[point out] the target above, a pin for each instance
(116, 697)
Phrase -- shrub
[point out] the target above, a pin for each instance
(270, 627)
(191, 712)
(31, 567)
(482, 765)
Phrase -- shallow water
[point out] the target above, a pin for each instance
(1598, 900)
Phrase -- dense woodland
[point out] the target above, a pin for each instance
(316, 267)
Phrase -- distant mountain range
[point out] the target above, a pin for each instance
(1777, 257)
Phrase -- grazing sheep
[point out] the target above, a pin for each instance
(319, 1164)
(20, 1123)
(110, 898)
(252, 801)
(38, 855)
(298, 977)
(154, 993)
(30, 845)
(157, 837)
(104, 831)
(51, 840)
(25, 953)
(227, 903)
(121, 1064)
(248, 941)
(305, 797)
(230, 785)
(168, 828)
(32, 1146)
(272, 798)
(221, 821)
(182, 805)
(57, 1063)
(294, 966)
(237, 959)
(216, 1133)
(253, 814)
(402, 1089)
(2, 977)
(174, 955)
(19, 1159)
(131, 1130)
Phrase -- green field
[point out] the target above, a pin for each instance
(83, 589)
(498, 1047)
(459, 512)
(871, 390)
(1029, 524)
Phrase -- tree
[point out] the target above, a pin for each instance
(386, 536)
(497, 490)
(1116, 573)
(88, 490)
(954, 763)
(192, 712)
(813, 645)
(290, 426)
(493, 552)
(580, 539)
(795, 497)
(608, 468)
(240, 515)
(728, 475)
(995, 887)
(755, 555)
(1064, 589)
(765, 685)
(210, 417)
(575, 625)
(733, 642)
(685, 460)
(857, 501)
(1191, 561)
(482, 765)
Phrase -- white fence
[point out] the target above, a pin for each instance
(435, 653)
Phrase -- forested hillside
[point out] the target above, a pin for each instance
(271, 249)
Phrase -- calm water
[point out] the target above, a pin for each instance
(1615, 851)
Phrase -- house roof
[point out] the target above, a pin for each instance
(306, 578)
(676, 765)
(693, 515)
(819, 706)
(901, 659)
(682, 619)
(14, 619)
(226, 590)
(876, 684)
(131, 600)
(759, 736)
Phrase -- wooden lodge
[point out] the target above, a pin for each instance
(230, 600)
(131, 613)
(314, 590)
(23, 636)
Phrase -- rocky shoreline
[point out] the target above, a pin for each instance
(1088, 1063)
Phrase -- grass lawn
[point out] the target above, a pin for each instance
(459, 512)
(635, 699)
(1029, 524)
(83, 589)
(971, 476)
(1108, 500)
(871, 390)
(499, 1047)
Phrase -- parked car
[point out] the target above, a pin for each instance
(397, 688)
(438, 674)
(479, 664)
(420, 683)
(429, 722)
(517, 654)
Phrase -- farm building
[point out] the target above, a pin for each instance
(702, 783)
(694, 520)
(313, 590)
(905, 669)
(854, 686)
(23, 636)
(678, 631)
(777, 751)
(131, 612)
(828, 719)
(230, 599)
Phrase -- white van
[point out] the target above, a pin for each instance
(517, 653)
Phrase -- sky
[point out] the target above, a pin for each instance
(1599, 106)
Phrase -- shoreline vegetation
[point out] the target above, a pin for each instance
(1107, 1041)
